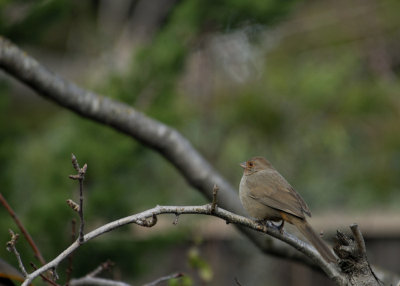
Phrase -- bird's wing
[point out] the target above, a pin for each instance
(271, 189)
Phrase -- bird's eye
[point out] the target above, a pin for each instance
(250, 164)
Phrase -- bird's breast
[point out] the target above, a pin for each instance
(253, 207)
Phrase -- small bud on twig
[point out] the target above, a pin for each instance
(75, 162)
(83, 170)
(73, 205)
(14, 237)
(74, 177)
(11, 247)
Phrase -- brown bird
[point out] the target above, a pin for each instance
(266, 195)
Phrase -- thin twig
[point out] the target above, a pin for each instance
(23, 230)
(214, 200)
(91, 279)
(362, 248)
(164, 278)
(175, 222)
(71, 256)
(104, 266)
(12, 248)
(44, 278)
(359, 238)
(80, 177)
(81, 210)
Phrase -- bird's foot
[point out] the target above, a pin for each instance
(264, 223)
(271, 225)
(280, 227)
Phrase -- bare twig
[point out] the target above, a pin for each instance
(214, 200)
(90, 279)
(359, 238)
(363, 249)
(71, 256)
(353, 258)
(54, 274)
(175, 222)
(308, 250)
(104, 266)
(82, 224)
(12, 248)
(164, 278)
(80, 177)
(44, 278)
(26, 234)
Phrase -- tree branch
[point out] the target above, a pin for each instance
(165, 278)
(353, 258)
(24, 231)
(330, 269)
(80, 177)
(89, 280)
(122, 117)
(12, 248)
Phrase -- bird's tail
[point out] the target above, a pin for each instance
(315, 239)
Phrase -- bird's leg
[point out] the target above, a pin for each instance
(280, 227)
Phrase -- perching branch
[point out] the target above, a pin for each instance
(229, 217)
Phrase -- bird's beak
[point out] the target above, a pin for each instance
(243, 165)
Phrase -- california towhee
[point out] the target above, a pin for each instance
(266, 195)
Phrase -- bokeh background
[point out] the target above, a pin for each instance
(311, 85)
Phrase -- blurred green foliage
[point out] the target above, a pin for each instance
(198, 263)
(317, 108)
